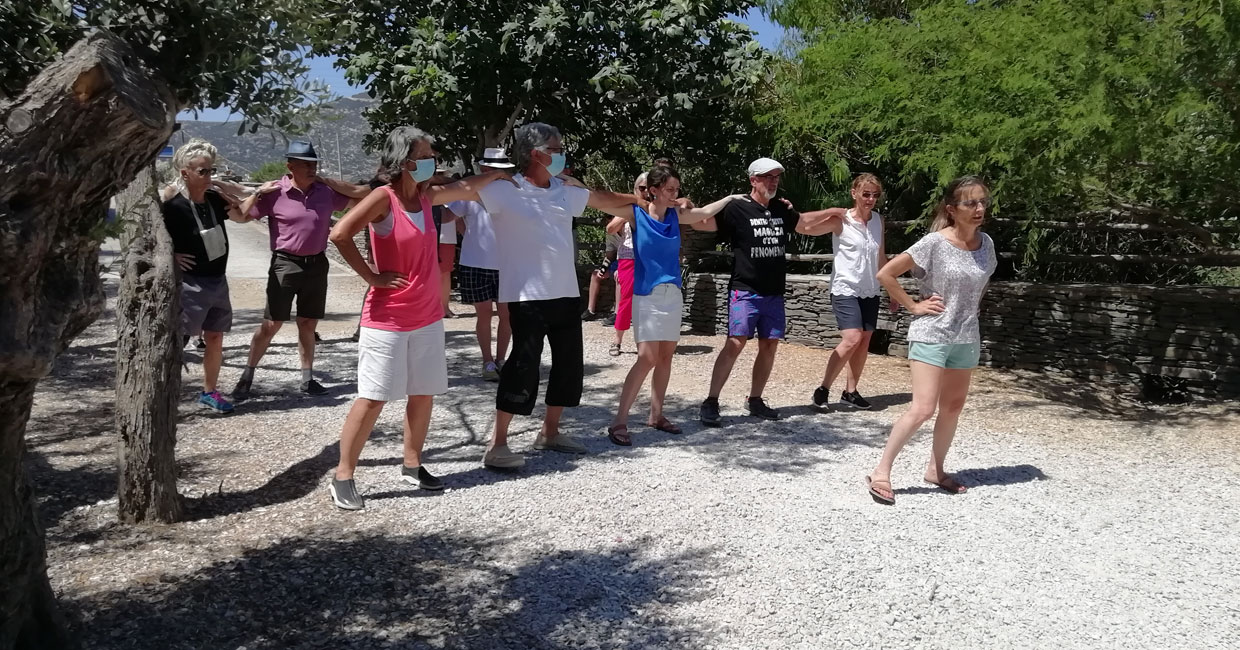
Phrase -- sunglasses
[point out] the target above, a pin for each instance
(973, 203)
(871, 195)
(205, 171)
(641, 188)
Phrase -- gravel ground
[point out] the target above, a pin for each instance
(1094, 528)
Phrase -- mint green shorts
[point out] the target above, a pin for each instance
(955, 356)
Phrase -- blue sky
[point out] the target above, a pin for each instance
(321, 68)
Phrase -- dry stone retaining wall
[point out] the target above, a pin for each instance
(1144, 341)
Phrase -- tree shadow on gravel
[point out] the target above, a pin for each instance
(987, 477)
(425, 591)
(295, 482)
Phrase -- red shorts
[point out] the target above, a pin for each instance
(447, 255)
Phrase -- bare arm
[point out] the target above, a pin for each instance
(899, 265)
(692, 215)
(821, 222)
(350, 190)
(612, 203)
(367, 211)
(617, 224)
(465, 189)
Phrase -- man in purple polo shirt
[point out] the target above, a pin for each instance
(299, 211)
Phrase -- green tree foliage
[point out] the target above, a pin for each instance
(212, 53)
(629, 80)
(1092, 109)
(269, 171)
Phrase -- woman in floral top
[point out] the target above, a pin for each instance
(953, 265)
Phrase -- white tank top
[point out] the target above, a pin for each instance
(854, 270)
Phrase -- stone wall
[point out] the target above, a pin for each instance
(1147, 342)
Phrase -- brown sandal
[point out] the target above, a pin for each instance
(948, 484)
(619, 435)
(665, 426)
(877, 489)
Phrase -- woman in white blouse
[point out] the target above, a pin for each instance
(859, 252)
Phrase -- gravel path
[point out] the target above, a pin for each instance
(1100, 528)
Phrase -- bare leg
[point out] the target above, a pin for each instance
(926, 380)
(953, 391)
(500, 435)
(305, 340)
(662, 374)
(595, 281)
(856, 363)
(647, 357)
(732, 348)
(482, 329)
(551, 421)
(417, 422)
(504, 335)
(212, 359)
(850, 340)
(762, 365)
(445, 288)
(261, 339)
(357, 425)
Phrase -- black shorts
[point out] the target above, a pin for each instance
(303, 277)
(853, 313)
(477, 284)
(559, 321)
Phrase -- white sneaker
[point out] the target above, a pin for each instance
(501, 457)
(560, 442)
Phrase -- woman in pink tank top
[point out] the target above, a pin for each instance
(401, 343)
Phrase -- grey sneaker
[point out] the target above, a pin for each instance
(560, 442)
(344, 493)
(501, 457)
(421, 478)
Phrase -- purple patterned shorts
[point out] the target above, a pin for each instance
(750, 313)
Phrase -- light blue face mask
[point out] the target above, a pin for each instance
(557, 164)
(424, 170)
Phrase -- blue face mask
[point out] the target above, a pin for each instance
(424, 170)
(557, 164)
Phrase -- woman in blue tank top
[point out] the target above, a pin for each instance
(657, 299)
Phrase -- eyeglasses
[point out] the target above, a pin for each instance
(551, 149)
(973, 203)
(205, 171)
(769, 177)
(415, 160)
(871, 195)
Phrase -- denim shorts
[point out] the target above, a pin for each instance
(953, 356)
(750, 314)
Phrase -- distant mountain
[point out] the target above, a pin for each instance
(340, 122)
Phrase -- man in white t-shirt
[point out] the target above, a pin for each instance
(538, 280)
(478, 275)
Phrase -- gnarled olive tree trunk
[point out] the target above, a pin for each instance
(81, 131)
(148, 364)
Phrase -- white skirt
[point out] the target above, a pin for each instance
(392, 365)
(656, 317)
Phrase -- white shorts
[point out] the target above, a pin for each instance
(657, 317)
(392, 365)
